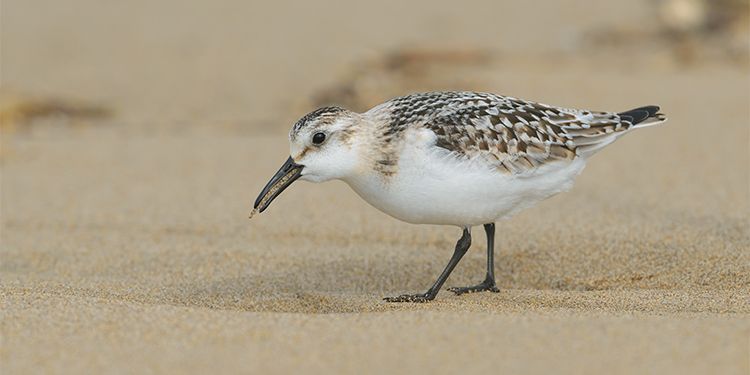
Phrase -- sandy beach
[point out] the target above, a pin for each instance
(135, 139)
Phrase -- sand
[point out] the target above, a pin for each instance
(126, 247)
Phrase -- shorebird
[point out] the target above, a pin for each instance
(451, 158)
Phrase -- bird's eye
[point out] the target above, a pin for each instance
(318, 138)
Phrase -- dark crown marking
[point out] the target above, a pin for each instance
(318, 116)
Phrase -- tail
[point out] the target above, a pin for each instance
(643, 116)
(633, 119)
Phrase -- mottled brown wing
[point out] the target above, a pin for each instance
(517, 136)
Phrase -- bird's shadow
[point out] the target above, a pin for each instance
(351, 285)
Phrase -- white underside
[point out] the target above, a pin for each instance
(434, 187)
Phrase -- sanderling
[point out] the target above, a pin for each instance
(452, 158)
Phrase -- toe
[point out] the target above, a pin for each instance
(458, 291)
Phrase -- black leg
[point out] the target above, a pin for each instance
(489, 281)
(461, 247)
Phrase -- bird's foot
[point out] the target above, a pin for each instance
(487, 285)
(419, 298)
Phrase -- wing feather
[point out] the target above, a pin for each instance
(515, 135)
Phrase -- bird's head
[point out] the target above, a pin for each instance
(323, 146)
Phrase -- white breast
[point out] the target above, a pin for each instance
(432, 186)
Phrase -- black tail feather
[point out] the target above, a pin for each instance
(640, 114)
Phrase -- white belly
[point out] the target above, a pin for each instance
(433, 187)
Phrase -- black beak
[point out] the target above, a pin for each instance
(288, 172)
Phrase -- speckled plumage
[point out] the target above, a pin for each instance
(511, 134)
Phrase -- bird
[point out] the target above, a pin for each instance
(455, 158)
